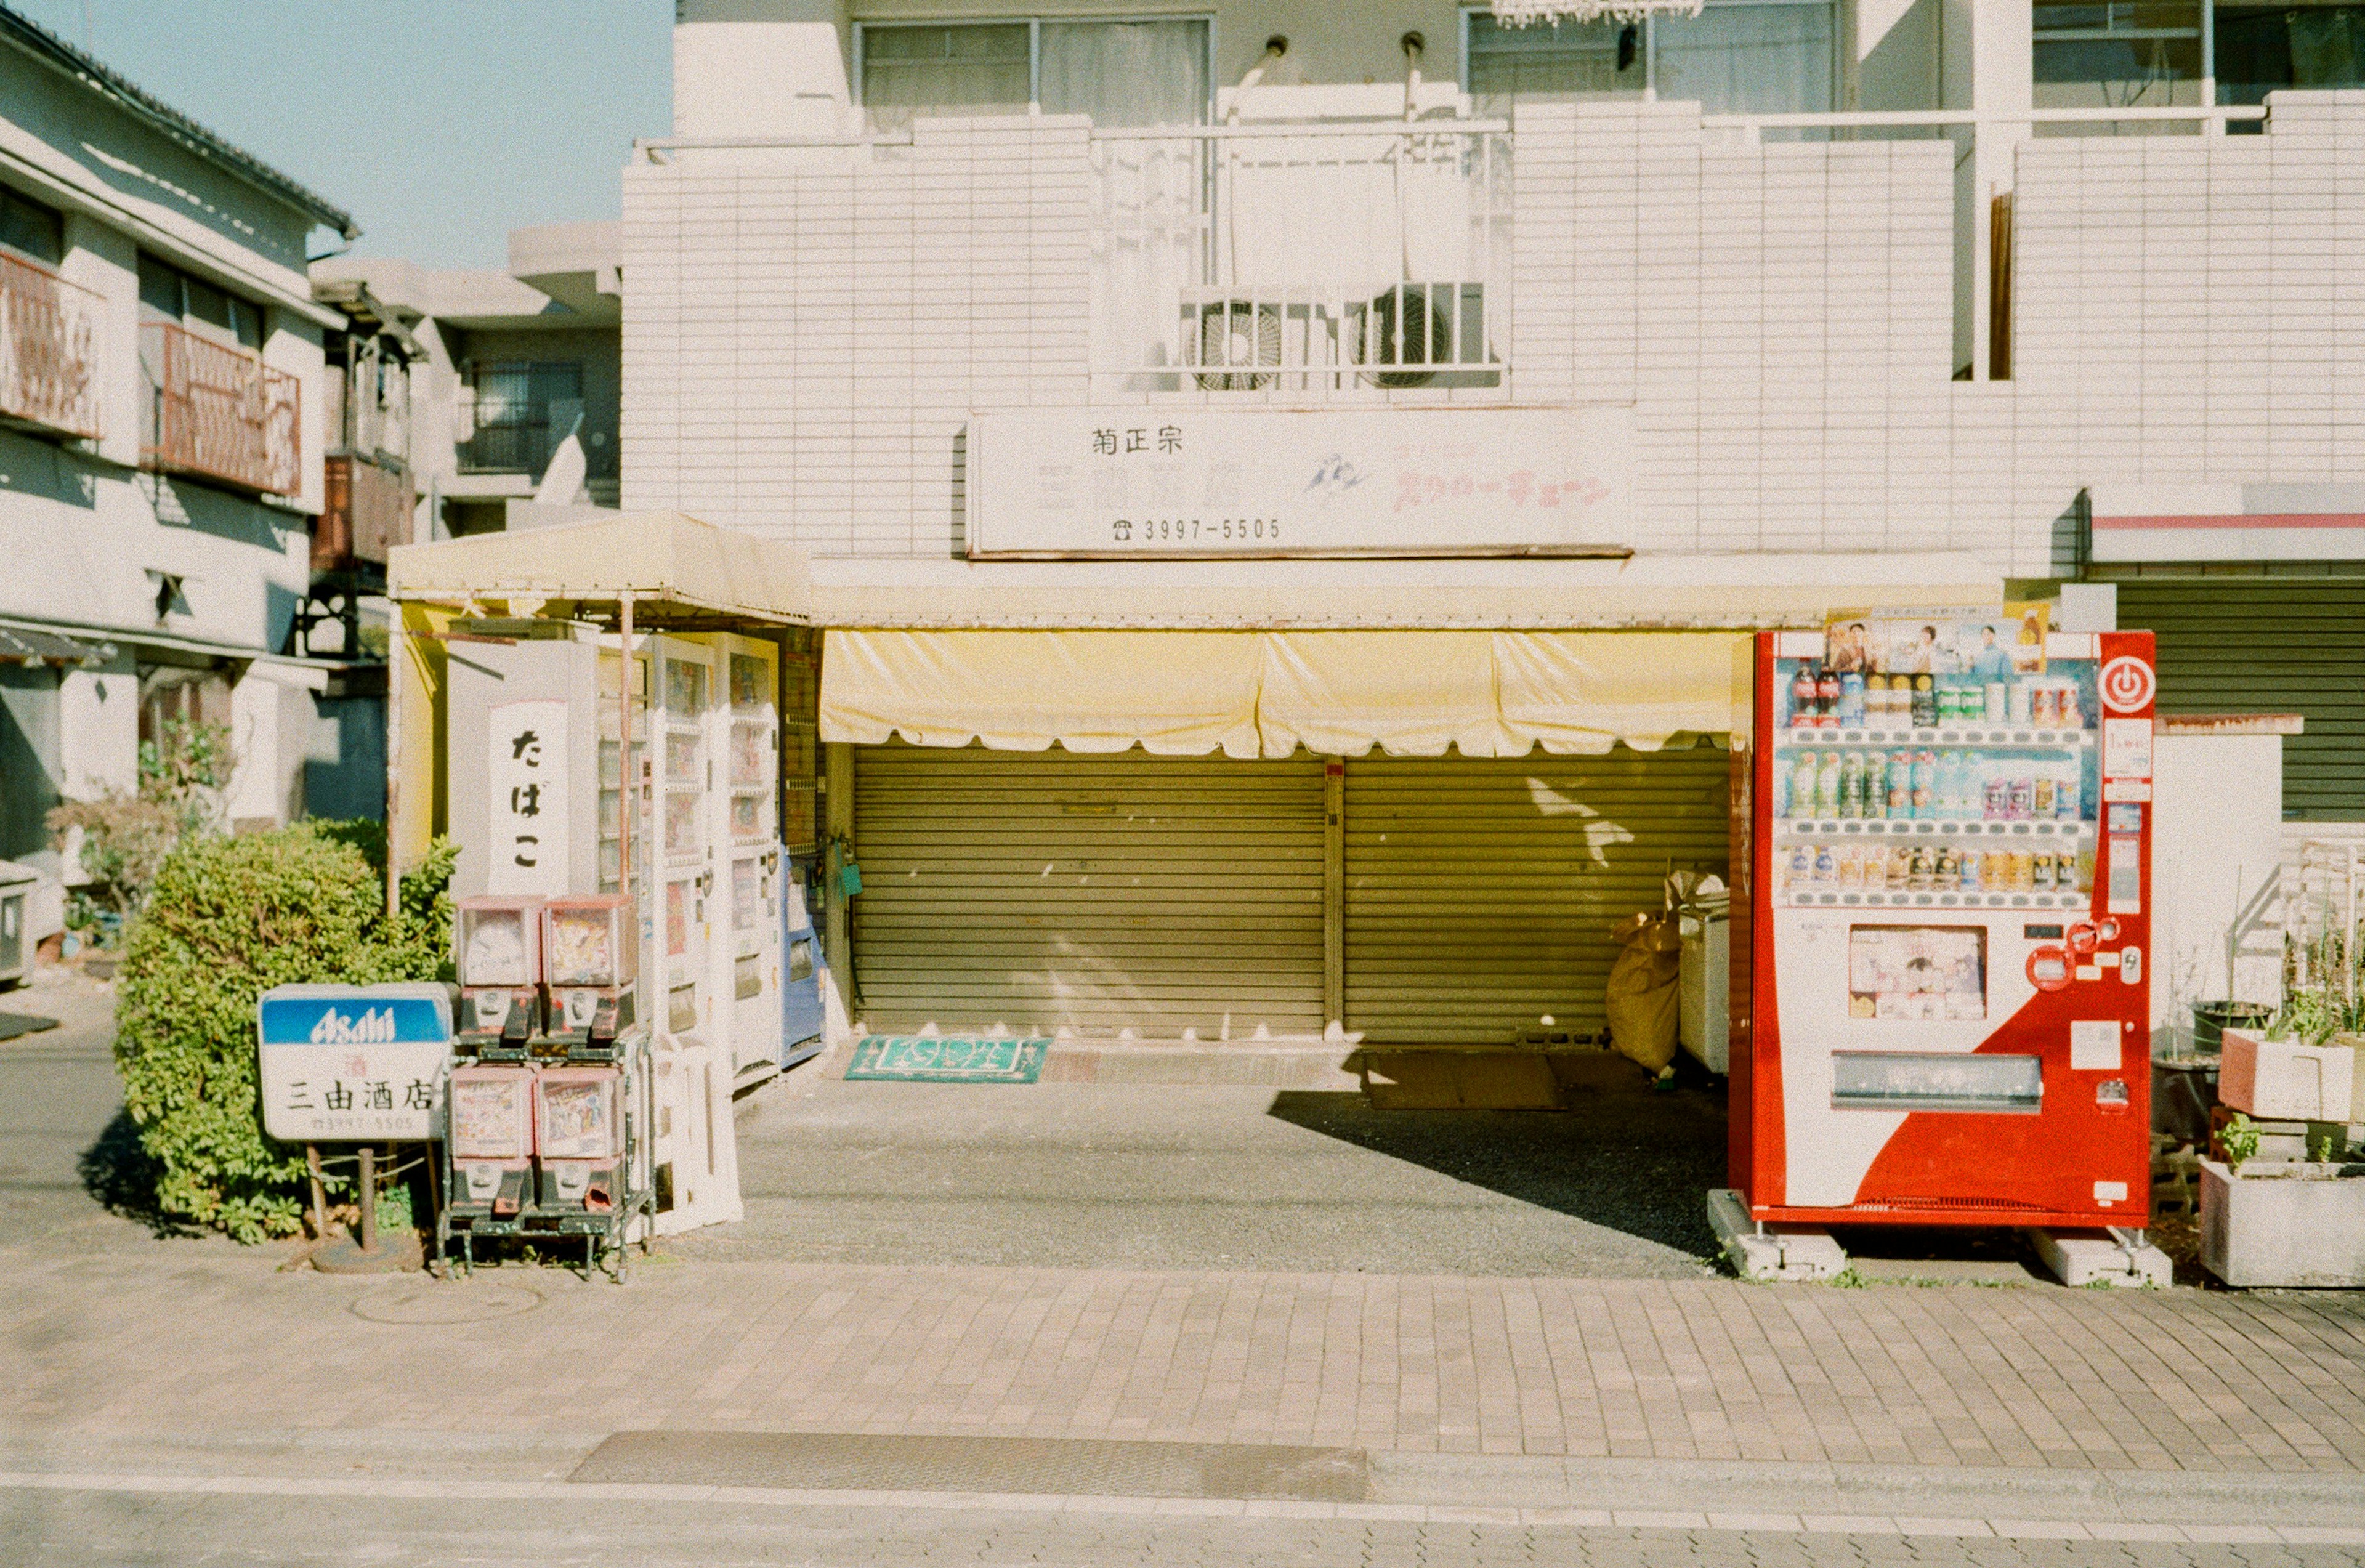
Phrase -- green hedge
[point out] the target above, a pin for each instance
(227, 919)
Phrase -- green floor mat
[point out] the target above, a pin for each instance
(949, 1058)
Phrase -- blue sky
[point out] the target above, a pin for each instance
(440, 125)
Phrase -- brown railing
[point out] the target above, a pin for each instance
(48, 348)
(218, 412)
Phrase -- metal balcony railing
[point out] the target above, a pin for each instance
(1368, 259)
(218, 412)
(48, 348)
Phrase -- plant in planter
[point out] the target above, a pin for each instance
(2284, 1222)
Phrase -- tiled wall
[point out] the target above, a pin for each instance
(806, 331)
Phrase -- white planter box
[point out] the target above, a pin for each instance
(2272, 1225)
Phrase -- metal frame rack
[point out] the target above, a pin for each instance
(606, 1233)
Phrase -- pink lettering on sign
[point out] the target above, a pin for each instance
(1415, 489)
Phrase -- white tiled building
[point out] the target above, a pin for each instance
(1889, 295)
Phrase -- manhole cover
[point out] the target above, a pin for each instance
(428, 1302)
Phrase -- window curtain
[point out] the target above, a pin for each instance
(908, 72)
(1737, 59)
(1150, 77)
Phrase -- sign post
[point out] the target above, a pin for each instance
(354, 1064)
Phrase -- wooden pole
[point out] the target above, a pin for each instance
(369, 1198)
(398, 652)
(320, 1193)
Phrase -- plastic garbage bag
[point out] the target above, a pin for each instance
(1644, 1000)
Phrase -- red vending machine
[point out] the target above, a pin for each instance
(1941, 918)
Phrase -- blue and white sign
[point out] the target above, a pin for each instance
(353, 1063)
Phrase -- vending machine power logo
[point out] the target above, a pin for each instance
(2127, 685)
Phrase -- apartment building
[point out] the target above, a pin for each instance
(161, 392)
(1063, 345)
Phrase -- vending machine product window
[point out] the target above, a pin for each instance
(1925, 973)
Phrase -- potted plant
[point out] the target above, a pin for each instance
(2284, 1222)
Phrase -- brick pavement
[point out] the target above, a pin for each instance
(201, 1337)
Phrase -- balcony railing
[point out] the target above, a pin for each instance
(218, 412)
(49, 350)
(1370, 259)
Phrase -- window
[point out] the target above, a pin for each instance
(168, 294)
(1747, 57)
(31, 230)
(2261, 48)
(1741, 60)
(523, 409)
(2123, 54)
(1123, 75)
(1548, 63)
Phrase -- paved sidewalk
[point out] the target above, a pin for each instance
(203, 1338)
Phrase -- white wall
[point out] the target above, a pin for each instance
(807, 333)
(2216, 874)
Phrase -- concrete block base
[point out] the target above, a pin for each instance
(1772, 1253)
(2082, 1258)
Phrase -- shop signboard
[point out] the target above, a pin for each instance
(1190, 483)
(530, 801)
(347, 1063)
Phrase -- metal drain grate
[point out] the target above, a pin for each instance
(1063, 1466)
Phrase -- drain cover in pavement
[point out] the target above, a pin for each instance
(949, 1058)
(1053, 1466)
(448, 1301)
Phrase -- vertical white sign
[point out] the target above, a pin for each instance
(530, 798)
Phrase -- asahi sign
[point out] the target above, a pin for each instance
(1178, 482)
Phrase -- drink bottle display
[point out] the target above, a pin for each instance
(1926, 702)
(1827, 788)
(1802, 698)
(1827, 700)
(1851, 700)
(1851, 785)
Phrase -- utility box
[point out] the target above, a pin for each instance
(16, 884)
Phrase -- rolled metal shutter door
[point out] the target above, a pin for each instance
(1481, 890)
(1051, 890)
(2259, 644)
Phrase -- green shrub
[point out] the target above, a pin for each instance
(226, 920)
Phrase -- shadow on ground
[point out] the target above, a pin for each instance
(121, 1176)
(1639, 1162)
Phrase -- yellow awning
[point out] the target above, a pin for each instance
(1267, 693)
(657, 557)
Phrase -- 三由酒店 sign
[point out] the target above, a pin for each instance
(1183, 482)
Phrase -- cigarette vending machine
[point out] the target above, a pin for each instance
(1942, 919)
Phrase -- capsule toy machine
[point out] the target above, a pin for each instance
(496, 950)
(1940, 1007)
(590, 959)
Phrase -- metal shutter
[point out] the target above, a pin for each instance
(1481, 891)
(1049, 891)
(2259, 644)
